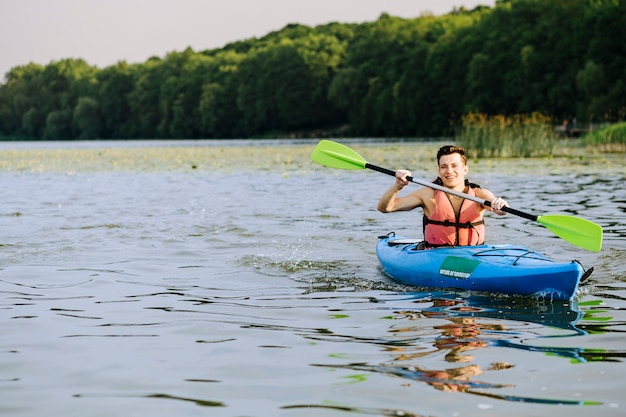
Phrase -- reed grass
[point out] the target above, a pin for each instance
(608, 139)
(485, 136)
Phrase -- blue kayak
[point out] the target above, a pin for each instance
(506, 269)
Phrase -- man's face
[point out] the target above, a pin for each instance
(452, 170)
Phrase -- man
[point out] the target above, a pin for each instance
(448, 220)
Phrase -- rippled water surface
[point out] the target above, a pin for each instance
(224, 279)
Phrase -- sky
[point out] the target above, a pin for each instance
(104, 32)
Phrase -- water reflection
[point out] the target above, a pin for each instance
(384, 412)
(469, 324)
(557, 314)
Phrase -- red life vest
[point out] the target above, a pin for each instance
(443, 228)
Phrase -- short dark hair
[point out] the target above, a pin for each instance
(449, 150)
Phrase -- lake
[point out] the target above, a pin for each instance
(238, 278)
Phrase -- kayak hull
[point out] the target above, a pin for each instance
(506, 269)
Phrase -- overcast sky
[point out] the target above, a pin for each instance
(104, 32)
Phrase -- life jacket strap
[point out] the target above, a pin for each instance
(465, 225)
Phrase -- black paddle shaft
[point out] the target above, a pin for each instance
(453, 192)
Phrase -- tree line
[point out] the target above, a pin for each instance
(393, 77)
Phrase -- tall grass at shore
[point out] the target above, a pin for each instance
(608, 139)
(485, 136)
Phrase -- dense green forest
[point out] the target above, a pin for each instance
(393, 77)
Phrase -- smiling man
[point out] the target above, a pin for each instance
(449, 220)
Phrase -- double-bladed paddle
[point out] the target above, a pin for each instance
(577, 231)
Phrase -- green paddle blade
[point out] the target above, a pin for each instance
(577, 231)
(336, 155)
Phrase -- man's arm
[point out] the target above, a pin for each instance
(390, 201)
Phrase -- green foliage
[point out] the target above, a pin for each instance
(391, 77)
(115, 83)
(87, 118)
(59, 125)
(284, 85)
(218, 114)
